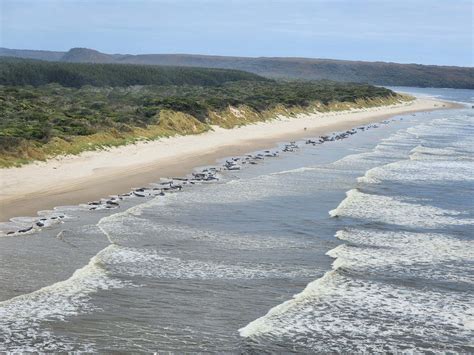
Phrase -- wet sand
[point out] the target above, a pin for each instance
(77, 179)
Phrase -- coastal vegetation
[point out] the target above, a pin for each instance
(57, 116)
(14, 71)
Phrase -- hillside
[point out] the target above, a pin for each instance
(101, 105)
(81, 55)
(31, 54)
(378, 73)
(14, 71)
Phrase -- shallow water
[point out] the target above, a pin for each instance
(373, 234)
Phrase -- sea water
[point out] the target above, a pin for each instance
(362, 244)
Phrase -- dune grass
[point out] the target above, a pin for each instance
(38, 123)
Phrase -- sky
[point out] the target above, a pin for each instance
(404, 31)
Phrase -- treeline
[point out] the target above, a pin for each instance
(376, 73)
(15, 71)
(41, 113)
(259, 96)
(50, 108)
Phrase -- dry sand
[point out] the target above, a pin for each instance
(92, 175)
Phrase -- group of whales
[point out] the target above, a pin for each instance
(176, 184)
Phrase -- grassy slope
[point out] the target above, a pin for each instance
(164, 123)
(100, 105)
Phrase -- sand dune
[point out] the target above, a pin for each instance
(91, 175)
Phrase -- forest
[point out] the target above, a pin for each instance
(375, 73)
(16, 71)
(58, 112)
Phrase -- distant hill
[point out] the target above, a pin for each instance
(19, 71)
(84, 55)
(378, 73)
(31, 54)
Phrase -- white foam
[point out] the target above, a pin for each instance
(21, 317)
(453, 126)
(345, 313)
(421, 171)
(149, 263)
(409, 145)
(404, 254)
(455, 151)
(372, 301)
(391, 210)
(338, 313)
(294, 171)
(131, 229)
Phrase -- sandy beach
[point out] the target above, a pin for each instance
(92, 175)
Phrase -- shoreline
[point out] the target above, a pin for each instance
(71, 180)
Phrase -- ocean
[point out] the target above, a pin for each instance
(358, 244)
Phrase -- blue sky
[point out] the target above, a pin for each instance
(406, 31)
